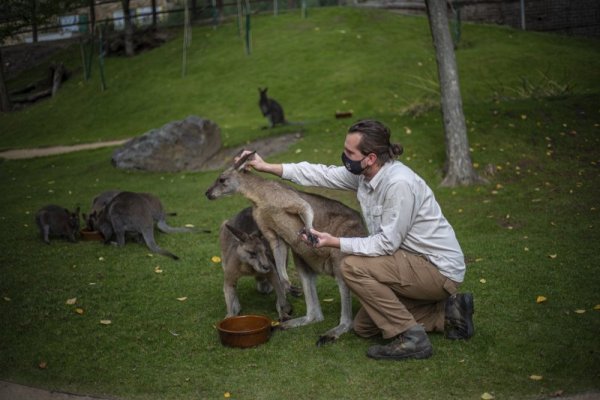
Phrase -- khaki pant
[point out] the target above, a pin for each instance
(397, 292)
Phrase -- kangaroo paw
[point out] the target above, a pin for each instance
(326, 338)
(313, 240)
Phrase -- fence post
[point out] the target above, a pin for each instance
(101, 61)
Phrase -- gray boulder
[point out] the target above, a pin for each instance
(177, 146)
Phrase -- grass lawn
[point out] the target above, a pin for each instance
(532, 103)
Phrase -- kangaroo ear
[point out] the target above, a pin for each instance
(241, 163)
(241, 236)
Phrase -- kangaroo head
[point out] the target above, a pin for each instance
(253, 250)
(229, 181)
(74, 220)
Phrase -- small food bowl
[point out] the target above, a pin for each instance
(244, 330)
(90, 235)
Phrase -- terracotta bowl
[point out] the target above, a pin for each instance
(90, 235)
(244, 330)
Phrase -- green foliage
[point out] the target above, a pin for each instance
(540, 154)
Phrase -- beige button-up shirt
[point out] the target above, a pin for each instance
(399, 209)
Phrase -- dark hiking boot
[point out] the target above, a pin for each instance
(458, 323)
(413, 343)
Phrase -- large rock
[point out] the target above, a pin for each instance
(178, 146)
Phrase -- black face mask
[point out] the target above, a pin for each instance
(353, 166)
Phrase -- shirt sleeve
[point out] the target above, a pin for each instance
(392, 224)
(332, 177)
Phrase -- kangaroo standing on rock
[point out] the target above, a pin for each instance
(281, 213)
(246, 252)
(129, 212)
(271, 109)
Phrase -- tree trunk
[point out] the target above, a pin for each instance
(92, 18)
(154, 22)
(129, 51)
(460, 169)
(34, 22)
(4, 99)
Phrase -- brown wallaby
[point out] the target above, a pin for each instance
(246, 252)
(281, 212)
(156, 208)
(53, 220)
(129, 212)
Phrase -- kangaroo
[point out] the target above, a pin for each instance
(53, 220)
(246, 252)
(156, 208)
(271, 109)
(281, 212)
(129, 212)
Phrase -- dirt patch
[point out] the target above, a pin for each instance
(265, 147)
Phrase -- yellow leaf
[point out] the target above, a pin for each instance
(158, 270)
(150, 255)
(182, 298)
(100, 258)
(6, 298)
(72, 301)
(105, 321)
(487, 396)
(526, 249)
(535, 377)
(580, 311)
(227, 395)
(189, 225)
(215, 259)
(328, 300)
(43, 365)
(540, 299)
(482, 280)
(596, 307)
(79, 311)
(552, 256)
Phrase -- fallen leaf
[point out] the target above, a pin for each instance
(215, 259)
(227, 395)
(79, 311)
(6, 298)
(579, 311)
(328, 300)
(596, 307)
(182, 298)
(43, 365)
(487, 396)
(71, 301)
(540, 299)
(150, 255)
(189, 225)
(100, 258)
(535, 377)
(482, 280)
(158, 270)
(552, 256)
(105, 321)
(526, 248)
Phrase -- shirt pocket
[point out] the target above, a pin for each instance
(376, 215)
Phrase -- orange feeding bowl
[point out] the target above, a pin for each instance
(244, 330)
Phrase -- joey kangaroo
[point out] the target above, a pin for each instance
(156, 208)
(246, 252)
(271, 109)
(281, 212)
(129, 212)
(53, 220)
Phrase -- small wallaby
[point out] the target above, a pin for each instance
(129, 212)
(156, 208)
(53, 220)
(271, 109)
(246, 252)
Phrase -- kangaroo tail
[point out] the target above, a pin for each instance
(149, 239)
(166, 228)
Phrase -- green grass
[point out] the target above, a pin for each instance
(541, 202)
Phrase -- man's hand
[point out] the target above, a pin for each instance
(258, 164)
(324, 239)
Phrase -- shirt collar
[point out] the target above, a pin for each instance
(383, 171)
